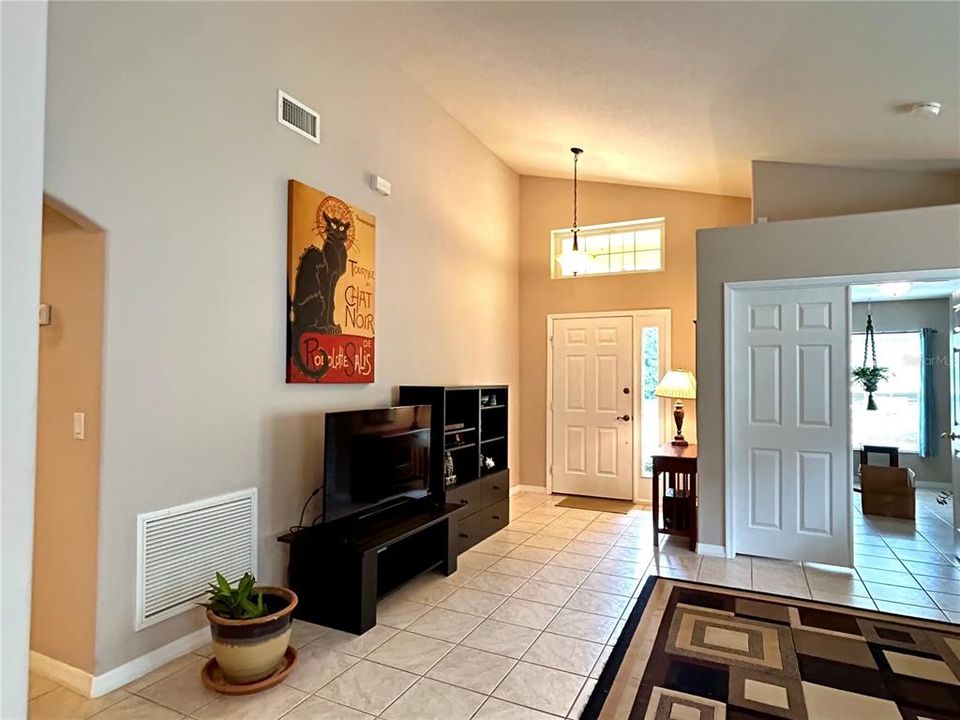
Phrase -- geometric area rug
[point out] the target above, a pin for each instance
(691, 651)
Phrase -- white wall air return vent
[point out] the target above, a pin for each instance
(180, 549)
(298, 117)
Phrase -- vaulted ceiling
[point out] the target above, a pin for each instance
(685, 95)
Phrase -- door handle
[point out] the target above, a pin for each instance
(952, 436)
(625, 418)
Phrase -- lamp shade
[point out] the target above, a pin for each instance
(574, 262)
(680, 384)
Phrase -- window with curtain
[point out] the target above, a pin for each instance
(896, 421)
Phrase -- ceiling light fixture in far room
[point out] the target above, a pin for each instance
(927, 108)
(574, 261)
(894, 289)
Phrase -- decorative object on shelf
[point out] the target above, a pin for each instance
(250, 627)
(574, 261)
(331, 250)
(487, 462)
(449, 475)
(454, 426)
(488, 400)
(679, 385)
(870, 376)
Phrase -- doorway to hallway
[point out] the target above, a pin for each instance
(788, 445)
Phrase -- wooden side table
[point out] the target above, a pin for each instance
(675, 469)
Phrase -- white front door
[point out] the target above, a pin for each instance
(592, 402)
(952, 441)
(791, 474)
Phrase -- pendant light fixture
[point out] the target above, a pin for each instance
(574, 261)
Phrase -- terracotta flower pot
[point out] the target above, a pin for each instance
(251, 650)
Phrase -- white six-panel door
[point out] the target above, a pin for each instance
(592, 428)
(791, 477)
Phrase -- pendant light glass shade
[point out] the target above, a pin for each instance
(574, 261)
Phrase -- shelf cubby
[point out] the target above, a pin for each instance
(485, 432)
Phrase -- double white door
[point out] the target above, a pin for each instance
(592, 402)
(790, 444)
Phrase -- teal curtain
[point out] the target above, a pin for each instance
(928, 399)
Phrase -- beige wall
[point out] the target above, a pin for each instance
(919, 239)
(68, 470)
(23, 57)
(192, 190)
(545, 205)
(910, 316)
(793, 191)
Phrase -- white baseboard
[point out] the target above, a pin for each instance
(540, 489)
(140, 666)
(711, 550)
(67, 675)
(98, 685)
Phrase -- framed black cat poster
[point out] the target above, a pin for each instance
(331, 253)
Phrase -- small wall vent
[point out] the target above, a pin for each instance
(298, 117)
(180, 549)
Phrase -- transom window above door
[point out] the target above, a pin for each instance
(633, 246)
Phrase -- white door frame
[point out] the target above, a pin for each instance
(729, 288)
(661, 317)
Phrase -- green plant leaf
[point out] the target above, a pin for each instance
(223, 583)
(235, 602)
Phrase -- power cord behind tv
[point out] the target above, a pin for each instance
(300, 526)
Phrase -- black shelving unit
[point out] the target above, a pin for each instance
(479, 416)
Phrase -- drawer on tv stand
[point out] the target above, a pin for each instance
(482, 492)
(470, 495)
(496, 487)
(483, 524)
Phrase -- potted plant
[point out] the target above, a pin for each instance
(250, 627)
(870, 378)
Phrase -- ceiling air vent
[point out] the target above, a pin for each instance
(298, 117)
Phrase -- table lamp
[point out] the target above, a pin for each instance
(680, 385)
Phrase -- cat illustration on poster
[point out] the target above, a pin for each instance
(314, 295)
(329, 339)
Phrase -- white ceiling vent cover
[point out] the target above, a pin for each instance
(180, 550)
(298, 117)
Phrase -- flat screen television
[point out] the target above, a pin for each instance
(375, 458)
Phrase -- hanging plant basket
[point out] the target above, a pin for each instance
(870, 376)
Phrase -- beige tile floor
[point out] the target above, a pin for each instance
(523, 628)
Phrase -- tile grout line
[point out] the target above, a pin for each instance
(909, 572)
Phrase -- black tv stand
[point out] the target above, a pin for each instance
(338, 570)
(378, 513)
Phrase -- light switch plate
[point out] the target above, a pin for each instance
(79, 431)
